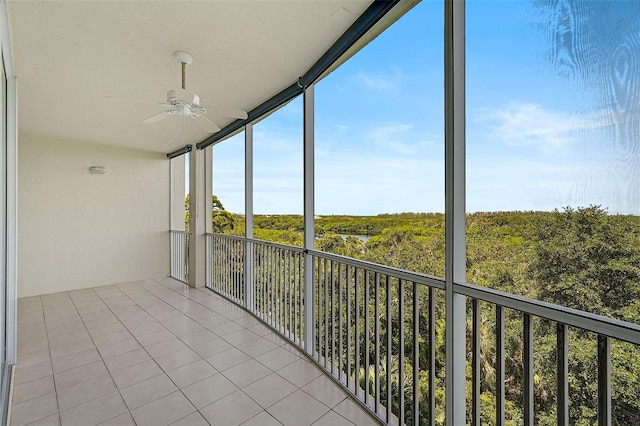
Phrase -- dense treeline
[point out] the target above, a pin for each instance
(581, 258)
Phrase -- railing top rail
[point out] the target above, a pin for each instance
(231, 237)
(277, 245)
(179, 232)
(263, 242)
(614, 328)
(402, 274)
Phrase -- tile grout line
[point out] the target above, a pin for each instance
(55, 391)
(145, 349)
(101, 357)
(212, 295)
(53, 376)
(142, 346)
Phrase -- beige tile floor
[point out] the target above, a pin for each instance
(158, 353)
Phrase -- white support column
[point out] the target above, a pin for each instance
(208, 188)
(309, 220)
(455, 252)
(208, 207)
(197, 218)
(248, 215)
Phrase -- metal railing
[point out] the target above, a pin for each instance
(226, 273)
(380, 331)
(369, 320)
(180, 255)
(279, 288)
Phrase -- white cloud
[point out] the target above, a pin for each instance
(352, 184)
(520, 124)
(383, 81)
(393, 136)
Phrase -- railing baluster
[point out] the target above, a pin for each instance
(236, 271)
(234, 267)
(273, 285)
(223, 267)
(229, 264)
(432, 358)
(476, 366)
(263, 294)
(318, 303)
(367, 333)
(389, 349)
(172, 254)
(348, 372)
(228, 270)
(357, 332)
(401, 350)
(214, 262)
(604, 381)
(301, 300)
(271, 288)
(326, 312)
(562, 349)
(290, 285)
(416, 356)
(264, 297)
(242, 273)
(500, 394)
(340, 324)
(376, 314)
(269, 284)
(333, 317)
(275, 265)
(255, 264)
(294, 297)
(528, 396)
(279, 276)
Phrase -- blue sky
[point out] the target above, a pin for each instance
(542, 133)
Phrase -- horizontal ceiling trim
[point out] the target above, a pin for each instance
(179, 152)
(364, 23)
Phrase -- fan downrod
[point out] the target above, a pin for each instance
(185, 59)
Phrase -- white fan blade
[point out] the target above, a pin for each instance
(235, 113)
(206, 124)
(159, 116)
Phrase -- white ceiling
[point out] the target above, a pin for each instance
(92, 70)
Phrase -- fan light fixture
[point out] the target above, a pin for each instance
(98, 170)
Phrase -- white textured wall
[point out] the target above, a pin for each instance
(77, 230)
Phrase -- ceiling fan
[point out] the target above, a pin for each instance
(185, 104)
